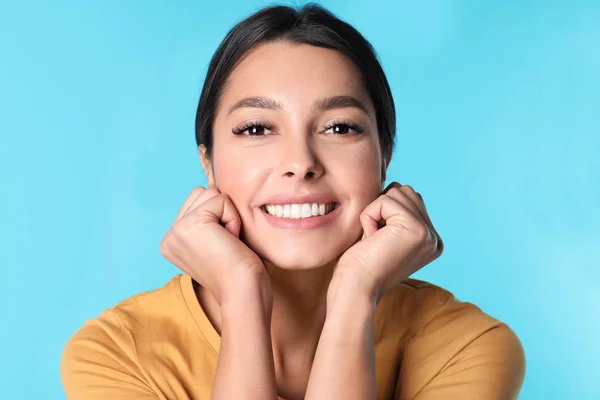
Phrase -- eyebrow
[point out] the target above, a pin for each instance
(327, 103)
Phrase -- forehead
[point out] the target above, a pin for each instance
(294, 74)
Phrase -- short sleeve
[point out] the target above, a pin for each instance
(98, 363)
(490, 367)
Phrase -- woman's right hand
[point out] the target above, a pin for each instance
(204, 243)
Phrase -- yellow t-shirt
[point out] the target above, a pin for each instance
(161, 345)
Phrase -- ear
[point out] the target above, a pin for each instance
(207, 165)
(384, 167)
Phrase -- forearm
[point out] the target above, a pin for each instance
(344, 364)
(245, 368)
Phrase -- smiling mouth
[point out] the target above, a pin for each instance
(299, 211)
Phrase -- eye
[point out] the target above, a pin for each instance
(253, 128)
(343, 128)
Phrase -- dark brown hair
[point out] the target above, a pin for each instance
(311, 24)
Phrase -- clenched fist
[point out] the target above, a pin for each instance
(399, 239)
(204, 243)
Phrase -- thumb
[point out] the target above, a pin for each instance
(371, 218)
(220, 209)
(231, 219)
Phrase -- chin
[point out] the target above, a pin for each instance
(307, 250)
(302, 257)
(299, 262)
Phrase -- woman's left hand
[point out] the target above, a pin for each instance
(398, 240)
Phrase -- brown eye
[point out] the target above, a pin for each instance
(341, 129)
(344, 128)
(253, 129)
(256, 130)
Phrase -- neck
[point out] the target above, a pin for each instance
(298, 317)
(299, 304)
(298, 314)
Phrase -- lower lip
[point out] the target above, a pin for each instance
(302, 224)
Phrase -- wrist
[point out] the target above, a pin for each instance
(347, 283)
(351, 309)
(248, 290)
(348, 292)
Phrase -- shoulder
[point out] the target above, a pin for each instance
(145, 313)
(447, 337)
(139, 347)
(422, 308)
(142, 315)
(142, 309)
(121, 335)
(444, 320)
(435, 325)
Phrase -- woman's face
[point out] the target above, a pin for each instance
(309, 147)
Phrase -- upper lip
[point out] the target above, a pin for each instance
(292, 198)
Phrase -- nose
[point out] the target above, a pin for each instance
(300, 160)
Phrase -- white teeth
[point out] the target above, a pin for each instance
(296, 211)
(321, 209)
(306, 211)
(299, 211)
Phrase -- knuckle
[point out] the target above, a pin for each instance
(198, 190)
(364, 214)
(212, 192)
(436, 246)
(440, 245)
(392, 186)
(408, 188)
(433, 245)
(165, 248)
(220, 198)
(422, 232)
(395, 191)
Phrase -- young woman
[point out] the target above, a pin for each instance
(296, 258)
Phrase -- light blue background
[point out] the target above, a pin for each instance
(498, 128)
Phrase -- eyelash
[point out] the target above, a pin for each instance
(249, 125)
(255, 124)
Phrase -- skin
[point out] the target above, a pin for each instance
(249, 170)
(280, 297)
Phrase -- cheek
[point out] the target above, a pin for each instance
(239, 175)
(360, 173)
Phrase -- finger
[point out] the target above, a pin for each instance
(417, 200)
(385, 208)
(231, 218)
(199, 195)
(196, 192)
(220, 209)
(402, 192)
(420, 204)
(406, 196)
(206, 195)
